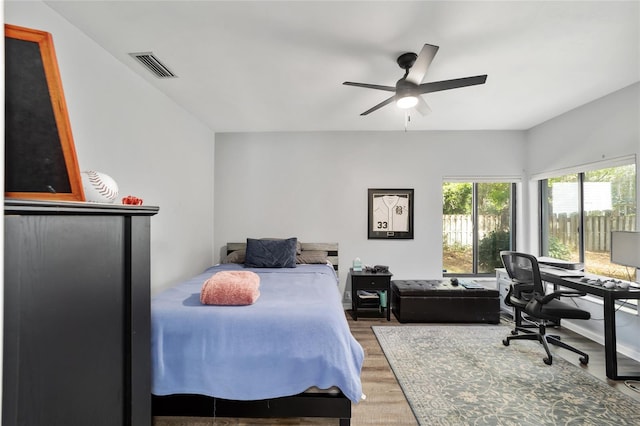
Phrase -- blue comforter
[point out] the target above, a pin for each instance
(294, 337)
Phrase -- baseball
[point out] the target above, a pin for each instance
(99, 187)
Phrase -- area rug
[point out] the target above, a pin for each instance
(464, 375)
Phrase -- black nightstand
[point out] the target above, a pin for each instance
(369, 281)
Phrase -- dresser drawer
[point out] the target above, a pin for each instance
(371, 282)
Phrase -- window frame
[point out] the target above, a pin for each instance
(543, 211)
(580, 172)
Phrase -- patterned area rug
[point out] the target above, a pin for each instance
(464, 375)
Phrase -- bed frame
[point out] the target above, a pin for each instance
(312, 404)
(302, 405)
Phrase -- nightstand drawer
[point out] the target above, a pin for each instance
(371, 282)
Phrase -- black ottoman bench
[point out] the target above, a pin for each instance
(439, 301)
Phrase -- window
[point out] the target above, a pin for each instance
(580, 210)
(477, 223)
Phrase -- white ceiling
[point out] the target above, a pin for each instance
(279, 66)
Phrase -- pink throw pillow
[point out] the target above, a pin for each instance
(231, 288)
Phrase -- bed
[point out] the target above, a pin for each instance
(289, 354)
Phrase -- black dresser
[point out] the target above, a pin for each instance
(76, 314)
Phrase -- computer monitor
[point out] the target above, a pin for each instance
(625, 248)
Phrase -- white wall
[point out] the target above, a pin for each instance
(154, 149)
(605, 128)
(314, 186)
(601, 130)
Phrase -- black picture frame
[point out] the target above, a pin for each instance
(390, 214)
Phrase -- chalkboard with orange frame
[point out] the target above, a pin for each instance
(40, 156)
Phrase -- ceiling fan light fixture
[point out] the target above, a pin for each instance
(408, 101)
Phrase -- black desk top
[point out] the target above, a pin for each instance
(578, 283)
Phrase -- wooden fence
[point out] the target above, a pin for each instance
(458, 229)
(597, 235)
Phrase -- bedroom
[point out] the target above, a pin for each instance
(200, 177)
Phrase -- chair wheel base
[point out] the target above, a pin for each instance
(548, 361)
(584, 360)
(505, 342)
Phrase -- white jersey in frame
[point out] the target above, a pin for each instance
(390, 213)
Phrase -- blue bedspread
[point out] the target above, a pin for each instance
(294, 337)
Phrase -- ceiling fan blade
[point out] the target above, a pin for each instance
(419, 68)
(422, 107)
(370, 86)
(437, 86)
(380, 105)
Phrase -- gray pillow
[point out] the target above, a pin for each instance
(235, 257)
(271, 253)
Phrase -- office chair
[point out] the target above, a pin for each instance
(543, 307)
(519, 294)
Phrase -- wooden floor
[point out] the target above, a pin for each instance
(385, 403)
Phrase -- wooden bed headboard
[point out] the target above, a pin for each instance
(330, 248)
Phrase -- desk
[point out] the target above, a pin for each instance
(609, 296)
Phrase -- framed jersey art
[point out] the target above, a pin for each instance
(390, 213)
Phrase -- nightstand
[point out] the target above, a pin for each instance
(371, 282)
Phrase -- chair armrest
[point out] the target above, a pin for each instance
(518, 288)
(564, 293)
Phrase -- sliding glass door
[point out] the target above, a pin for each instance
(477, 223)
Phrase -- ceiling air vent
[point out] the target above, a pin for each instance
(152, 63)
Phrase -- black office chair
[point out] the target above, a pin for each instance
(542, 307)
(519, 294)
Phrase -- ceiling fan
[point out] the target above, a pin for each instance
(410, 86)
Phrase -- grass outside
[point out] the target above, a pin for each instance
(459, 261)
(599, 264)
